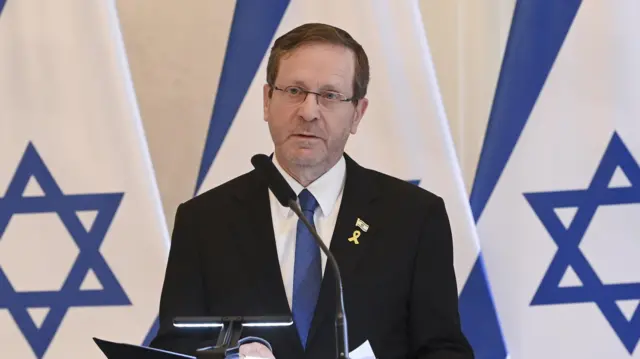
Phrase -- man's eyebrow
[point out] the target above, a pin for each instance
(325, 87)
(330, 87)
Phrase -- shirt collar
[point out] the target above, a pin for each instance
(325, 189)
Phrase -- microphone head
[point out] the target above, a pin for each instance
(278, 185)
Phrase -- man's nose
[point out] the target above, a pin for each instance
(310, 107)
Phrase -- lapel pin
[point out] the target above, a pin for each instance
(354, 238)
(362, 225)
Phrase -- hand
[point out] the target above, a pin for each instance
(255, 350)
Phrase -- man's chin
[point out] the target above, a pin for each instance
(306, 158)
(303, 161)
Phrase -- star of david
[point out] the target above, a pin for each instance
(568, 239)
(88, 242)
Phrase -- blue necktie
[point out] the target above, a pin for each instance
(307, 271)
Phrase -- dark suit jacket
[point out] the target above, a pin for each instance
(399, 282)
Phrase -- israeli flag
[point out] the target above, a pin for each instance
(557, 191)
(83, 241)
(404, 132)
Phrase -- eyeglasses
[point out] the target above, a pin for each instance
(296, 95)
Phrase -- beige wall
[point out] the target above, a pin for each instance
(467, 39)
(176, 54)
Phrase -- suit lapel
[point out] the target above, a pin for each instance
(257, 248)
(358, 193)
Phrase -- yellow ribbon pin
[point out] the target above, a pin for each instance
(355, 236)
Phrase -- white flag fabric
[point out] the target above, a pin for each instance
(83, 241)
(560, 231)
(404, 132)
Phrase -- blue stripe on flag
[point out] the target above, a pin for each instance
(537, 32)
(2, 2)
(254, 25)
(478, 316)
(153, 331)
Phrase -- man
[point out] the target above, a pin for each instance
(237, 251)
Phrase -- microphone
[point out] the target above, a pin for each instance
(285, 195)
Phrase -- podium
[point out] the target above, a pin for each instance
(227, 341)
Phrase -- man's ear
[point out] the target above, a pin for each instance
(266, 100)
(361, 108)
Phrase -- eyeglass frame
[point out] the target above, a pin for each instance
(318, 95)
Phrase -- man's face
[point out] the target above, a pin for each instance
(313, 131)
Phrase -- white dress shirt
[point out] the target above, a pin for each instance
(328, 192)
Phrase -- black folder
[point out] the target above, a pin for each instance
(129, 351)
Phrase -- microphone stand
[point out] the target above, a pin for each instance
(228, 338)
(342, 336)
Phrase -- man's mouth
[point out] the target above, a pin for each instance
(305, 135)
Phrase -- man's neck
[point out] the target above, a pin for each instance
(306, 175)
